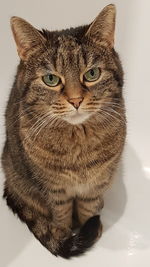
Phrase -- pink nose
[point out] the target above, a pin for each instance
(75, 101)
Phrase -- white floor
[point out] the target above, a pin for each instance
(126, 217)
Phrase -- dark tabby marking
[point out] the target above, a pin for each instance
(64, 139)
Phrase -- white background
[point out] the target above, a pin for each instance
(126, 217)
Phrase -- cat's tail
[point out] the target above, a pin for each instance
(77, 244)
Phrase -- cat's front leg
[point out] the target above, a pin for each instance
(62, 212)
(88, 205)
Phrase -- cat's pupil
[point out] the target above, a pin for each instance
(51, 78)
(92, 72)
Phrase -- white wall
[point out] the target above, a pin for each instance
(17, 246)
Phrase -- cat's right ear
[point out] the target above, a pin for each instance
(27, 38)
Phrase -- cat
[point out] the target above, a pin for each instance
(66, 129)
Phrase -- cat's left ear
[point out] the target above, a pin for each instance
(103, 27)
(27, 38)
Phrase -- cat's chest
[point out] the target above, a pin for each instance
(75, 149)
(65, 151)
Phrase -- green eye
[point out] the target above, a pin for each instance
(92, 75)
(51, 80)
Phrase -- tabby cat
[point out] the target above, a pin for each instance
(65, 127)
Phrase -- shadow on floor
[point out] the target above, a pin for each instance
(126, 211)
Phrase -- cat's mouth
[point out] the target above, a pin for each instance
(77, 118)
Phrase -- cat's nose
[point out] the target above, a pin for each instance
(75, 101)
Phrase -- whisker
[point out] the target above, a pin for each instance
(62, 112)
(19, 116)
(40, 124)
(109, 114)
(114, 105)
(49, 119)
(115, 112)
(32, 129)
(39, 128)
(105, 123)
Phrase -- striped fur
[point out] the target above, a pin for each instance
(57, 162)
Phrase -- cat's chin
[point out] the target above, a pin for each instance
(77, 118)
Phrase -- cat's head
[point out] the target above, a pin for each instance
(70, 74)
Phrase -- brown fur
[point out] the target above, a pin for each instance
(54, 168)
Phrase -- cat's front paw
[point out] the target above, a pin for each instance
(60, 232)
